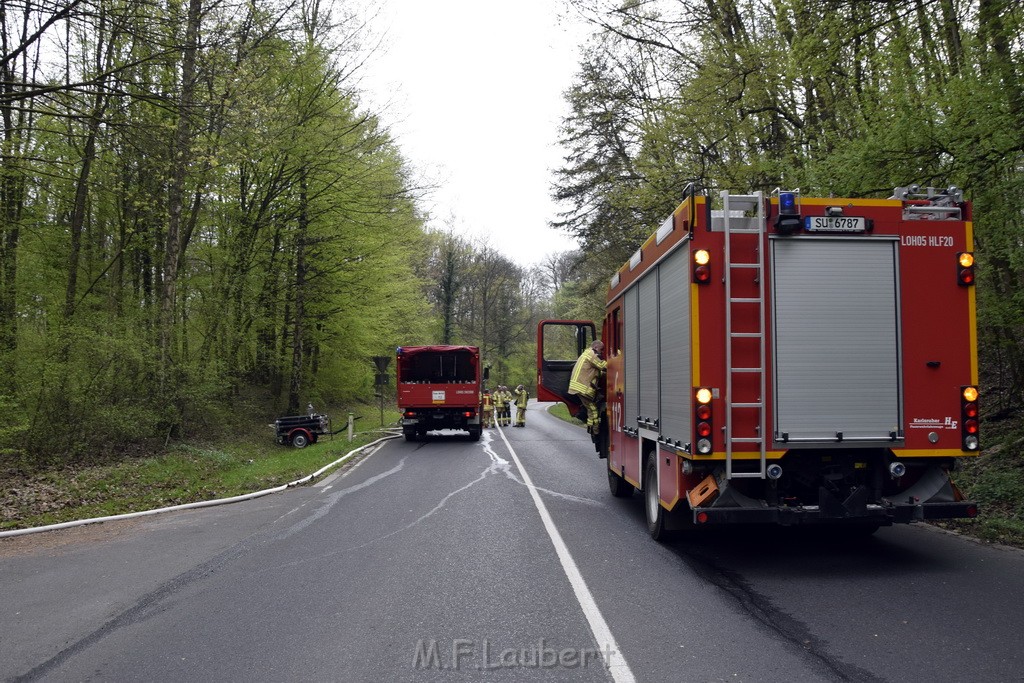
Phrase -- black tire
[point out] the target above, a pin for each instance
(300, 440)
(619, 487)
(475, 432)
(652, 505)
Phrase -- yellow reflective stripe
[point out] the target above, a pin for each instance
(574, 381)
(575, 378)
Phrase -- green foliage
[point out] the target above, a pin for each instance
(14, 430)
(995, 480)
(196, 225)
(184, 473)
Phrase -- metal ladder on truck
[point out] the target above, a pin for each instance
(736, 222)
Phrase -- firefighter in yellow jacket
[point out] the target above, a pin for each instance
(509, 400)
(583, 383)
(499, 405)
(487, 408)
(522, 396)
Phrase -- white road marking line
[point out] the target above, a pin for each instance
(506, 468)
(615, 661)
(332, 498)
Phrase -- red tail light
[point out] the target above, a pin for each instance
(703, 423)
(969, 426)
(965, 269)
(701, 267)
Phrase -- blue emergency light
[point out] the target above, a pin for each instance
(787, 204)
(788, 220)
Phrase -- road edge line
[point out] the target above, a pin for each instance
(614, 659)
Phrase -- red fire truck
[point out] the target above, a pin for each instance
(789, 360)
(438, 388)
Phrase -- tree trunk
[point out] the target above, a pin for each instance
(78, 211)
(176, 190)
(298, 328)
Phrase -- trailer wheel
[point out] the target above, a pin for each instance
(619, 487)
(300, 440)
(652, 506)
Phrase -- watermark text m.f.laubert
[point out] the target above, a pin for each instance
(467, 653)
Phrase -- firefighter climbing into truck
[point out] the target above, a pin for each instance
(583, 383)
(785, 359)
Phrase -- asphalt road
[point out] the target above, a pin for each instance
(433, 561)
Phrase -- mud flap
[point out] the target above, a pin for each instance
(934, 486)
(729, 497)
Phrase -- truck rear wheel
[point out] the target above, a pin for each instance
(652, 505)
(619, 487)
(300, 440)
(475, 432)
(410, 435)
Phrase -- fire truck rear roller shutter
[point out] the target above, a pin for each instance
(674, 314)
(649, 347)
(631, 351)
(837, 339)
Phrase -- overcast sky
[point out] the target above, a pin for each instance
(474, 96)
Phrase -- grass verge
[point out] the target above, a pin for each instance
(562, 413)
(994, 480)
(183, 473)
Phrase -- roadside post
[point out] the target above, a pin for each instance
(382, 380)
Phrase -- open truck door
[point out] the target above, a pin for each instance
(559, 344)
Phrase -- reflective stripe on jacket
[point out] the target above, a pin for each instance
(589, 367)
(521, 398)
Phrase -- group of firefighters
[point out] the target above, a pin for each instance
(497, 407)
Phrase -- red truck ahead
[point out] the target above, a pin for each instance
(439, 388)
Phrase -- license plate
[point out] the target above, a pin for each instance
(835, 224)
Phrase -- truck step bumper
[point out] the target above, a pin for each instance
(884, 515)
